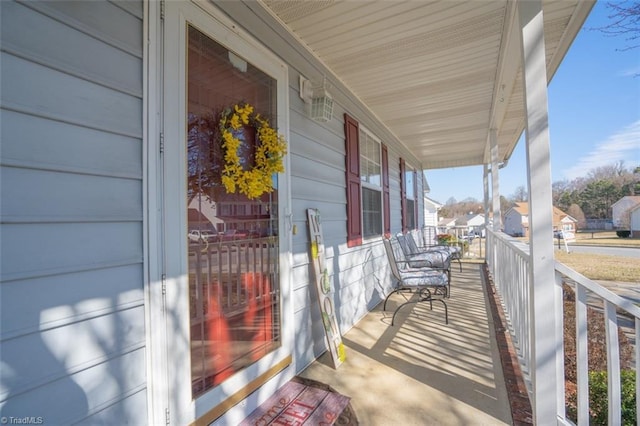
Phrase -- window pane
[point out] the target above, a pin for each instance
(411, 216)
(371, 212)
(409, 188)
(234, 296)
(369, 159)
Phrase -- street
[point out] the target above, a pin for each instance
(631, 252)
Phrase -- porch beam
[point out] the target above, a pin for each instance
(543, 329)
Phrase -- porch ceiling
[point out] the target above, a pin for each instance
(438, 74)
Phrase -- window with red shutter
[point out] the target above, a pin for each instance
(354, 200)
(367, 175)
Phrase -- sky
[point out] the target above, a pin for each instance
(594, 117)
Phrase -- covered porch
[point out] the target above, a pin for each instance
(459, 83)
(480, 368)
(420, 370)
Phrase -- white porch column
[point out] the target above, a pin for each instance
(495, 180)
(544, 320)
(485, 187)
(485, 204)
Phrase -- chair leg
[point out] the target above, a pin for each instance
(396, 290)
(393, 319)
(446, 312)
(384, 306)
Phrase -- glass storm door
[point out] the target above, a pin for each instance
(233, 240)
(226, 320)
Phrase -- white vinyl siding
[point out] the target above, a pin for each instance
(72, 314)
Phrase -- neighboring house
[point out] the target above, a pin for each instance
(472, 222)
(112, 115)
(564, 222)
(446, 224)
(620, 210)
(516, 220)
(431, 209)
(635, 221)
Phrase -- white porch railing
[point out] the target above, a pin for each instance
(508, 261)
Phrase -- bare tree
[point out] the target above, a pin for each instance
(520, 194)
(624, 21)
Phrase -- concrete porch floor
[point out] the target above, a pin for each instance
(421, 371)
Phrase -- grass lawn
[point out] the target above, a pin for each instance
(605, 238)
(601, 267)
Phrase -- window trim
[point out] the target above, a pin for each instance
(403, 195)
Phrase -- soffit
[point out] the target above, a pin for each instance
(437, 74)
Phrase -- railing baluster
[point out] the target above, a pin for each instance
(613, 363)
(560, 358)
(582, 355)
(637, 344)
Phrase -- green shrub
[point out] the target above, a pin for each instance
(623, 234)
(598, 398)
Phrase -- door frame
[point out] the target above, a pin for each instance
(170, 394)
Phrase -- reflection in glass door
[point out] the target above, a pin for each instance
(234, 296)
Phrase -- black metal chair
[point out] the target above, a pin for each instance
(430, 284)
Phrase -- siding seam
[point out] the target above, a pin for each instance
(70, 72)
(70, 371)
(106, 405)
(84, 29)
(75, 319)
(18, 164)
(20, 276)
(41, 220)
(14, 108)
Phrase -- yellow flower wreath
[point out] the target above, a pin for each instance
(268, 157)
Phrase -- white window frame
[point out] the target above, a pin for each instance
(412, 195)
(364, 184)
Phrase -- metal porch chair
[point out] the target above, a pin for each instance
(429, 237)
(435, 259)
(430, 284)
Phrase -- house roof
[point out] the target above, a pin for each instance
(447, 221)
(464, 220)
(558, 215)
(438, 74)
(433, 202)
(634, 199)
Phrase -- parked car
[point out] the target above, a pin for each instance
(472, 235)
(201, 235)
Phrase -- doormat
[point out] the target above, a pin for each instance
(303, 402)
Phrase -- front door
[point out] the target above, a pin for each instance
(225, 199)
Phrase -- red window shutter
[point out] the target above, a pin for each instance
(386, 200)
(354, 196)
(403, 194)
